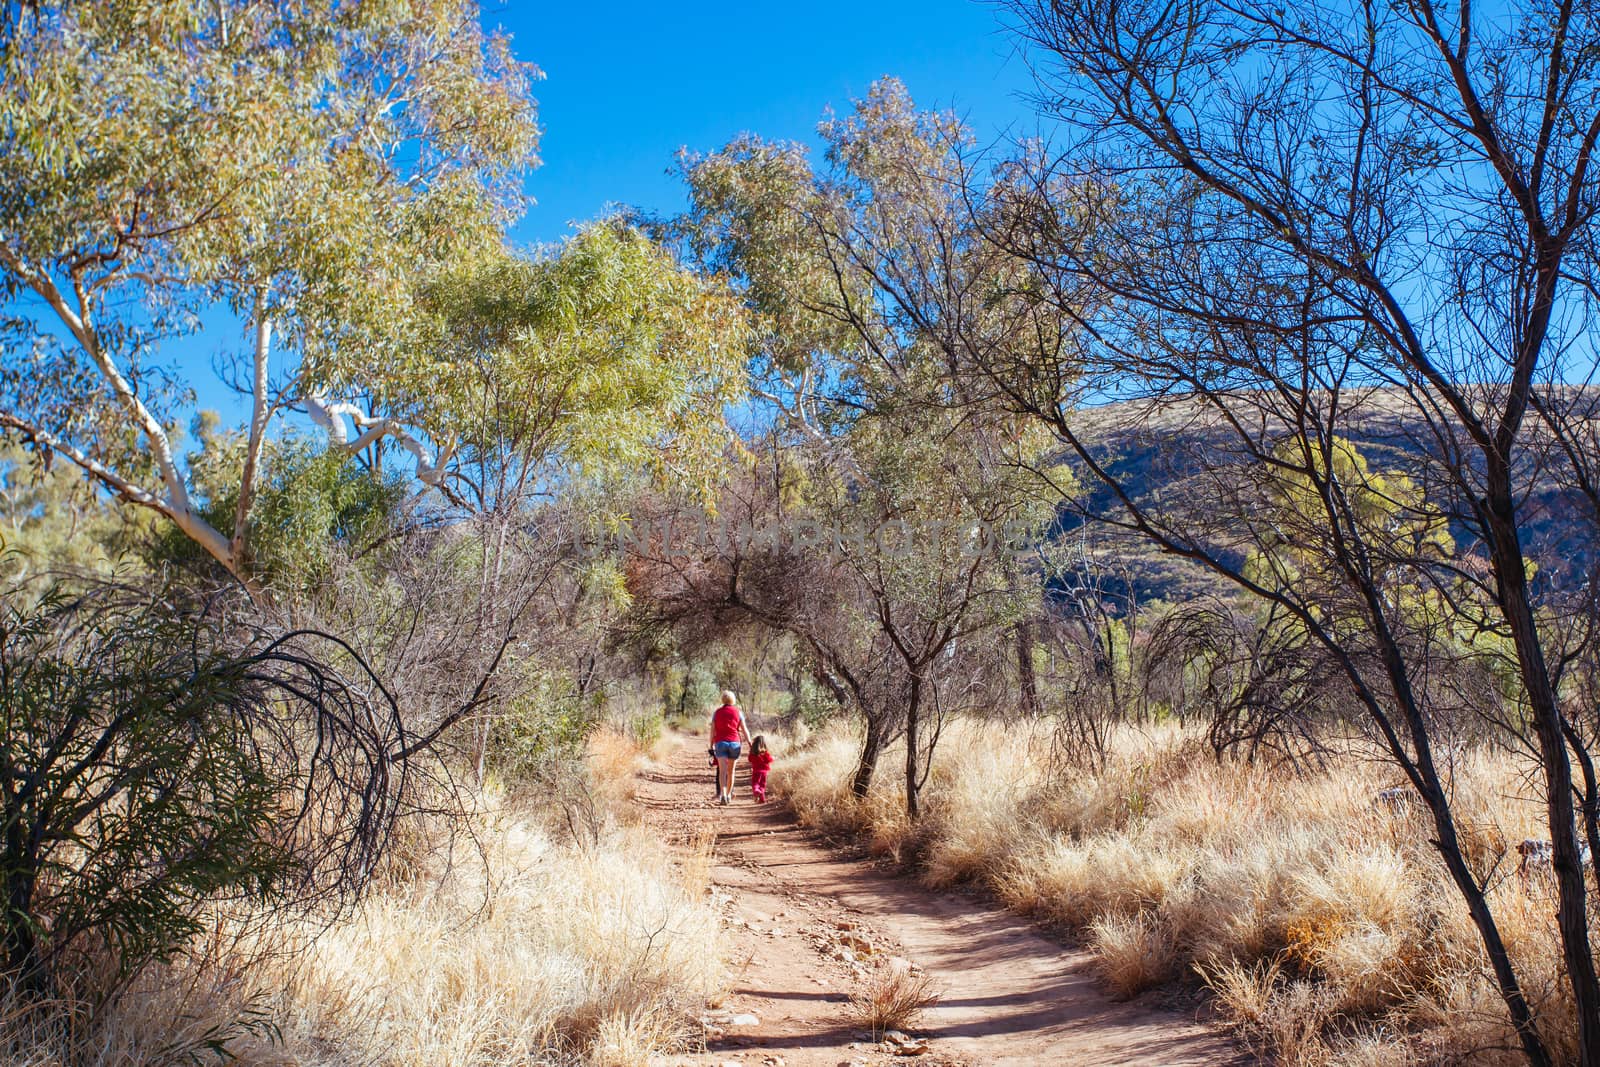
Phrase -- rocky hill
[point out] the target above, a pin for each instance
(1167, 456)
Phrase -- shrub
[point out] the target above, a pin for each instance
(543, 725)
(893, 997)
(1132, 953)
(157, 757)
(646, 728)
(308, 501)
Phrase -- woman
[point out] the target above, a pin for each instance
(727, 730)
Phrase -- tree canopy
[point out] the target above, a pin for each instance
(298, 164)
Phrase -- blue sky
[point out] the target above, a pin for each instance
(627, 84)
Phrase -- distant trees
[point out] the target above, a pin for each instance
(51, 516)
(923, 489)
(1311, 214)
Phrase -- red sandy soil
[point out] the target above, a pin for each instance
(804, 923)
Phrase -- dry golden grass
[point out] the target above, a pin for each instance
(1132, 952)
(504, 945)
(1325, 924)
(893, 997)
(612, 757)
(537, 948)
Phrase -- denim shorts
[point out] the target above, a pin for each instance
(726, 749)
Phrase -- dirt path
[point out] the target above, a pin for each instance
(793, 906)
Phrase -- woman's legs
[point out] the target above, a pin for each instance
(724, 775)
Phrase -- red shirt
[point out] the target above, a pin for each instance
(725, 724)
(760, 762)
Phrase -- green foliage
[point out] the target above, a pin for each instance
(646, 727)
(1436, 611)
(604, 355)
(699, 691)
(136, 788)
(873, 288)
(813, 705)
(1313, 493)
(847, 273)
(544, 725)
(240, 145)
(870, 278)
(53, 517)
(296, 166)
(748, 219)
(310, 501)
(313, 500)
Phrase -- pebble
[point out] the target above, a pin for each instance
(744, 1020)
(859, 945)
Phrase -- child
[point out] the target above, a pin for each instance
(760, 763)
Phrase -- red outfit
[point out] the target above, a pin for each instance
(725, 724)
(759, 765)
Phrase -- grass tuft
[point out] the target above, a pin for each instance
(1132, 953)
(893, 997)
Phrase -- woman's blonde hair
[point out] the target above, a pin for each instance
(728, 697)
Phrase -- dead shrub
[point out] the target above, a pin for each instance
(893, 997)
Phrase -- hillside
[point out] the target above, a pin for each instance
(1167, 456)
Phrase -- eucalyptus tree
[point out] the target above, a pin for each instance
(554, 373)
(1328, 214)
(865, 280)
(601, 356)
(296, 166)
